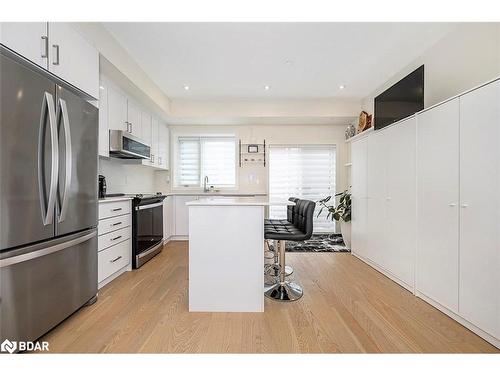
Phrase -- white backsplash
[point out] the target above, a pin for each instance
(123, 177)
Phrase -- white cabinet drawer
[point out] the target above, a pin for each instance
(113, 259)
(114, 223)
(112, 238)
(110, 209)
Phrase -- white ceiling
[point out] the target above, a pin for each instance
(236, 60)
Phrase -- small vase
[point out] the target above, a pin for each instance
(345, 229)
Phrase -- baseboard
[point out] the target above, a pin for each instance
(478, 331)
(384, 272)
(178, 238)
(113, 276)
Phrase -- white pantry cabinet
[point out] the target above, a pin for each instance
(72, 58)
(384, 207)
(58, 47)
(359, 154)
(29, 39)
(479, 297)
(438, 201)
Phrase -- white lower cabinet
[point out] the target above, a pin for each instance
(437, 196)
(168, 217)
(181, 227)
(114, 243)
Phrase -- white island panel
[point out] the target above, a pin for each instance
(226, 255)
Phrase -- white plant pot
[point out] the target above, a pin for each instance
(345, 229)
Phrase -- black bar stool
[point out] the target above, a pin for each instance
(269, 224)
(300, 229)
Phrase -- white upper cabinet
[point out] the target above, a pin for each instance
(163, 146)
(438, 203)
(480, 208)
(29, 39)
(134, 118)
(117, 109)
(155, 138)
(146, 130)
(72, 58)
(103, 119)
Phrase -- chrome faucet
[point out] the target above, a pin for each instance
(205, 182)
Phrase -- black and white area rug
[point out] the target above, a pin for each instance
(318, 243)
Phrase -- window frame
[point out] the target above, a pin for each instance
(335, 146)
(176, 158)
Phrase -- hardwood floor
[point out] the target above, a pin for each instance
(347, 307)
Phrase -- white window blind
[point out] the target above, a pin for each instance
(214, 157)
(306, 172)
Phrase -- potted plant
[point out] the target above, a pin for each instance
(340, 213)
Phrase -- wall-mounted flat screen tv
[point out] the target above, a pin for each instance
(401, 100)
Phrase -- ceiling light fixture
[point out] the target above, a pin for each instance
(342, 87)
(186, 87)
(266, 87)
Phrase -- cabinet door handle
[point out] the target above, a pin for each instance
(452, 204)
(116, 238)
(159, 160)
(45, 47)
(115, 224)
(117, 258)
(463, 205)
(56, 50)
(116, 209)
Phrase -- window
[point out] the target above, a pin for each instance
(306, 172)
(214, 157)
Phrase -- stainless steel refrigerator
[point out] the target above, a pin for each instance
(48, 199)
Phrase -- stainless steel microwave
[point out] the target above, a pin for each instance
(124, 145)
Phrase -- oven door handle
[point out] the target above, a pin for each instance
(149, 206)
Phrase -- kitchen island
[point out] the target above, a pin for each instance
(226, 253)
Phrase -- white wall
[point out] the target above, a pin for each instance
(466, 57)
(253, 178)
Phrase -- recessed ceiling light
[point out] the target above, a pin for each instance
(342, 87)
(186, 87)
(266, 87)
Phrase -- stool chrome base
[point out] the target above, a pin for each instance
(274, 270)
(287, 291)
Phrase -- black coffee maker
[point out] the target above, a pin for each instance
(102, 186)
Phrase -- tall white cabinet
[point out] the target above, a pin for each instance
(384, 203)
(426, 206)
(438, 197)
(479, 282)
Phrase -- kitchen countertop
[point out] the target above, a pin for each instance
(115, 199)
(238, 201)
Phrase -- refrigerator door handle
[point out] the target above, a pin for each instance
(48, 250)
(48, 111)
(62, 115)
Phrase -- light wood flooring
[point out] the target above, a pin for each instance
(347, 307)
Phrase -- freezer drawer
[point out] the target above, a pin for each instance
(41, 287)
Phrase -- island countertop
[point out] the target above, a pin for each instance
(238, 201)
